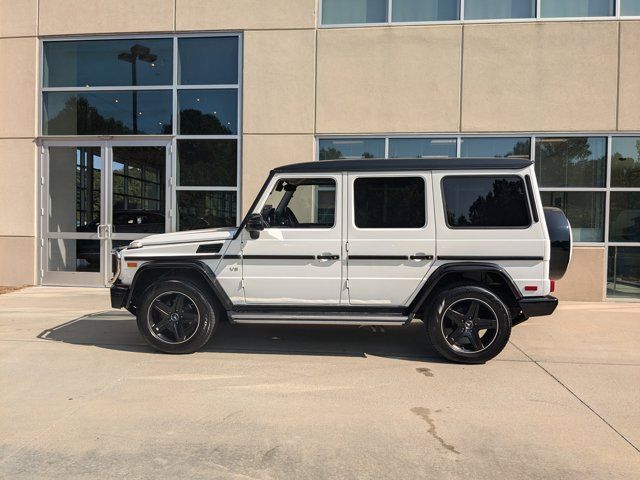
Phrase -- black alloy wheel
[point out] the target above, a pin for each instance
(469, 325)
(173, 317)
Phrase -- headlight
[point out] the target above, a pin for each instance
(135, 244)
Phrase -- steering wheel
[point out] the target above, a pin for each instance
(289, 218)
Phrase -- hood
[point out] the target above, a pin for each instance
(211, 234)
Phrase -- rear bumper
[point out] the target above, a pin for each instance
(538, 306)
(119, 294)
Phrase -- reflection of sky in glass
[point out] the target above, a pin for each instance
(208, 61)
(630, 7)
(422, 147)
(576, 8)
(487, 9)
(221, 104)
(425, 10)
(496, 147)
(352, 148)
(153, 110)
(96, 63)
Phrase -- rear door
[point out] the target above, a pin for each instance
(390, 236)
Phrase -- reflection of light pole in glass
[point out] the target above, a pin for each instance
(137, 52)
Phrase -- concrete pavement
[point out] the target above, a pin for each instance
(82, 396)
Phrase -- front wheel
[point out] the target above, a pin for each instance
(175, 316)
(468, 324)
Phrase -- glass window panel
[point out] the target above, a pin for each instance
(395, 202)
(585, 211)
(75, 174)
(207, 162)
(625, 162)
(425, 10)
(208, 112)
(351, 148)
(198, 210)
(576, 8)
(624, 217)
(486, 202)
(571, 161)
(68, 255)
(489, 9)
(301, 203)
(108, 63)
(353, 11)
(107, 113)
(623, 272)
(519, 147)
(630, 8)
(422, 147)
(208, 61)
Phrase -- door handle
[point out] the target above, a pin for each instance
(418, 257)
(327, 257)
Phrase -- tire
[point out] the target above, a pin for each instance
(175, 316)
(465, 334)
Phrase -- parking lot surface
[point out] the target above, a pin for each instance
(82, 396)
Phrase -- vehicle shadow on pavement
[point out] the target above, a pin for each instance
(117, 330)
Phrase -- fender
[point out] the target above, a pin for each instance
(439, 273)
(193, 265)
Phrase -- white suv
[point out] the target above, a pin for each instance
(461, 244)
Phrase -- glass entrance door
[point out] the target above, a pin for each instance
(97, 196)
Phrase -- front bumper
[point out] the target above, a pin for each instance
(538, 306)
(119, 295)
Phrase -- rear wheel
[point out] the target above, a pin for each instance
(175, 316)
(468, 324)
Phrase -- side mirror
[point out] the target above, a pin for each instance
(255, 225)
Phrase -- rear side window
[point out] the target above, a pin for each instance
(394, 202)
(486, 202)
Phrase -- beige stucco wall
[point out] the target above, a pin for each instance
(18, 78)
(629, 112)
(279, 81)
(18, 190)
(584, 281)
(18, 18)
(557, 76)
(17, 262)
(244, 14)
(392, 79)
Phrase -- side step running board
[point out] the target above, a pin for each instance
(306, 318)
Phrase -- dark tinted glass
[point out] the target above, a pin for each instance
(625, 162)
(207, 162)
(623, 272)
(425, 10)
(422, 147)
(108, 63)
(576, 8)
(107, 113)
(571, 161)
(198, 210)
(585, 211)
(496, 147)
(353, 11)
(624, 217)
(351, 148)
(630, 8)
(492, 202)
(67, 255)
(389, 202)
(490, 9)
(208, 61)
(208, 112)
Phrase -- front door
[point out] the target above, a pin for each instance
(390, 236)
(297, 258)
(96, 196)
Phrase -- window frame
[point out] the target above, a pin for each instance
(462, 20)
(491, 175)
(352, 201)
(173, 185)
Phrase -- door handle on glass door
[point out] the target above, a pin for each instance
(327, 257)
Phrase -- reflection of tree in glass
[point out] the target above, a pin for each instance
(333, 153)
(502, 206)
(625, 171)
(87, 120)
(569, 162)
(520, 150)
(194, 122)
(207, 162)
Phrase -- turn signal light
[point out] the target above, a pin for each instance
(132, 264)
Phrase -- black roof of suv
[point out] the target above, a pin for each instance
(405, 164)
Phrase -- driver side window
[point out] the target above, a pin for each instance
(301, 203)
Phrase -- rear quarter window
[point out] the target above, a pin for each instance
(485, 202)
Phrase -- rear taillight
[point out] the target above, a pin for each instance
(553, 286)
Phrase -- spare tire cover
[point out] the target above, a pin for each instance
(560, 235)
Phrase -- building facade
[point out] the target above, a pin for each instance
(123, 118)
